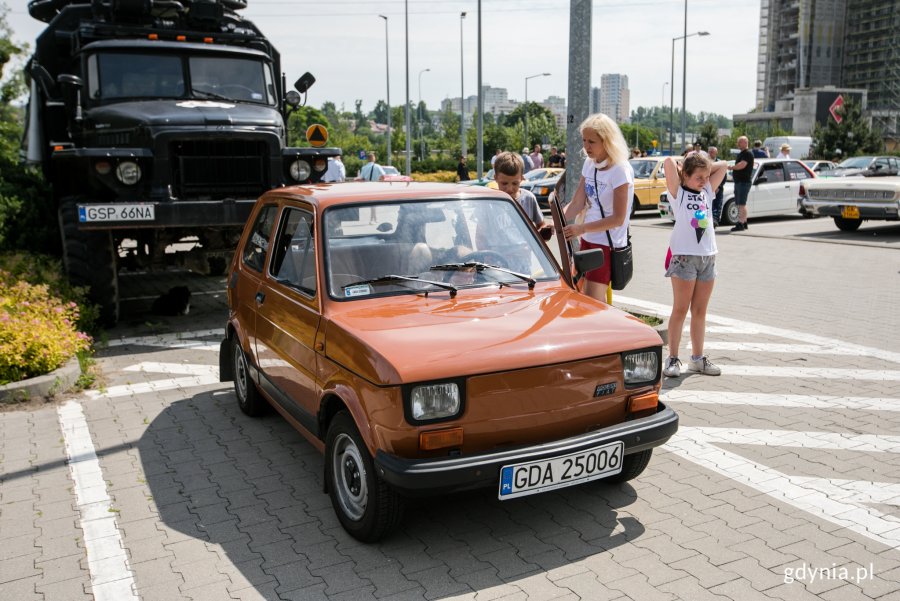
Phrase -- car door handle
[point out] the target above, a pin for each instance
(260, 298)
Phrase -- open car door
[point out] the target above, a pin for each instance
(574, 263)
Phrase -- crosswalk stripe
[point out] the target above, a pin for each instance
(126, 390)
(834, 441)
(187, 369)
(771, 347)
(717, 397)
(825, 373)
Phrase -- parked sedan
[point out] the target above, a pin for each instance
(485, 180)
(392, 174)
(533, 176)
(649, 181)
(775, 191)
(819, 166)
(853, 200)
(865, 166)
(441, 350)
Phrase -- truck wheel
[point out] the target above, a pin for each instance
(847, 225)
(249, 399)
(730, 213)
(632, 466)
(90, 260)
(367, 507)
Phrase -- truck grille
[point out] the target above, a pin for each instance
(218, 169)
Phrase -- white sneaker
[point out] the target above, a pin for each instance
(672, 368)
(704, 366)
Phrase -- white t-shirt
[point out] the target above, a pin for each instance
(607, 180)
(693, 233)
(336, 171)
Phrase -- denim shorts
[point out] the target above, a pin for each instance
(692, 267)
(741, 192)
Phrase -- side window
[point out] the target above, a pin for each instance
(881, 164)
(258, 243)
(294, 260)
(796, 171)
(773, 172)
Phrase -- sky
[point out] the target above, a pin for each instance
(342, 43)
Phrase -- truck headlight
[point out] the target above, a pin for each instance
(128, 172)
(641, 367)
(300, 170)
(432, 402)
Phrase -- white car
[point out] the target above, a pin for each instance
(775, 191)
(852, 200)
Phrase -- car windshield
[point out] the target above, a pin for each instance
(126, 75)
(855, 163)
(642, 169)
(390, 170)
(432, 246)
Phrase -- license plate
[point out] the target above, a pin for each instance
(116, 212)
(534, 477)
(850, 212)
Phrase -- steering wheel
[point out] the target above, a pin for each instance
(236, 87)
(491, 257)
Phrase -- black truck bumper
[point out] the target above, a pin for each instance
(181, 213)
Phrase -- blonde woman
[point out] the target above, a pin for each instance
(606, 188)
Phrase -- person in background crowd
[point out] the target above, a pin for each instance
(526, 161)
(692, 269)
(606, 187)
(494, 158)
(336, 172)
(462, 171)
(713, 153)
(785, 152)
(562, 159)
(741, 174)
(635, 153)
(372, 172)
(555, 159)
(758, 151)
(537, 159)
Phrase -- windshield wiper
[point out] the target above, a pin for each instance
(207, 94)
(402, 278)
(480, 267)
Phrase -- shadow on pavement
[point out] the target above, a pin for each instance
(254, 486)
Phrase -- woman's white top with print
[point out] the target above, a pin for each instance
(607, 180)
(693, 233)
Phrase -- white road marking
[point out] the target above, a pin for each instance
(111, 576)
(771, 347)
(796, 336)
(825, 373)
(187, 369)
(125, 390)
(845, 503)
(717, 397)
(166, 339)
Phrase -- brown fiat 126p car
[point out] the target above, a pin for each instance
(426, 340)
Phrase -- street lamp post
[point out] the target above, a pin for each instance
(419, 116)
(462, 95)
(387, 64)
(662, 105)
(407, 115)
(527, 143)
(672, 90)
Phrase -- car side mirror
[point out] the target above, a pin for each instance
(305, 82)
(71, 86)
(588, 260)
(761, 180)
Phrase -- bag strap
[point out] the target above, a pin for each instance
(600, 204)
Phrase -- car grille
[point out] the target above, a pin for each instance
(848, 194)
(218, 169)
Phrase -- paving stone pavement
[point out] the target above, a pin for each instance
(783, 482)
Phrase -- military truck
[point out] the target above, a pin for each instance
(158, 123)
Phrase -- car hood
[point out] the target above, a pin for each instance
(414, 338)
(842, 172)
(181, 112)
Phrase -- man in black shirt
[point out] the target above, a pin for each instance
(741, 173)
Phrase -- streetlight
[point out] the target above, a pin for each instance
(407, 116)
(672, 89)
(462, 95)
(387, 65)
(662, 105)
(526, 104)
(419, 117)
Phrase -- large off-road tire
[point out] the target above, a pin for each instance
(847, 225)
(730, 214)
(249, 399)
(367, 507)
(632, 466)
(90, 260)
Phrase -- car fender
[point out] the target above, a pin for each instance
(339, 393)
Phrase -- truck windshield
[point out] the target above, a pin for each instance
(123, 75)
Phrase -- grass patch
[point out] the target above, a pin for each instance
(650, 320)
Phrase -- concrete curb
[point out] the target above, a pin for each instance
(57, 381)
(662, 329)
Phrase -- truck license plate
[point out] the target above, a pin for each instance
(116, 212)
(850, 212)
(540, 476)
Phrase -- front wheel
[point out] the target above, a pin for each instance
(632, 467)
(847, 225)
(730, 213)
(635, 205)
(366, 506)
(249, 399)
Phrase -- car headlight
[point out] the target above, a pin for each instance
(641, 367)
(300, 170)
(128, 172)
(432, 402)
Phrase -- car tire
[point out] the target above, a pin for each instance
(632, 467)
(367, 507)
(635, 205)
(847, 225)
(249, 399)
(730, 213)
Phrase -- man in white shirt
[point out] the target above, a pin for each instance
(371, 171)
(336, 171)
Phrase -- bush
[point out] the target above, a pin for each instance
(437, 176)
(37, 330)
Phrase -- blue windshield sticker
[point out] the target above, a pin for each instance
(360, 290)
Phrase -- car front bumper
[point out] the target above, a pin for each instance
(881, 211)
(450, 474)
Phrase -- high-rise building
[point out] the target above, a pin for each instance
(614, 96)
(595, 100)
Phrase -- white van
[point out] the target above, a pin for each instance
(801, 146)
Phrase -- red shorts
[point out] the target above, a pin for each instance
(601, 275)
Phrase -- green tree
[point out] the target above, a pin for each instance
(708, 134)
(851, 137)
(299, 122)
(541, 124)
(380, 112)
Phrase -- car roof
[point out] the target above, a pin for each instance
(349, 193)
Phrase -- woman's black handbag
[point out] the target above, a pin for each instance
(621, 266)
